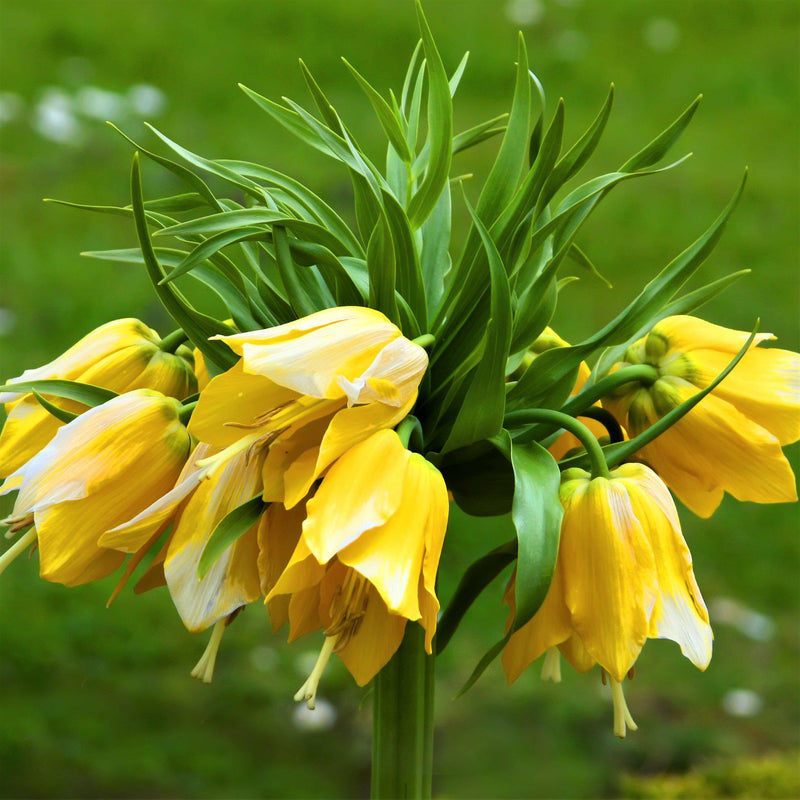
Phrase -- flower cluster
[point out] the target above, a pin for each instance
(303, 454)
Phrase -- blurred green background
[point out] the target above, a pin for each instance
(98, 703)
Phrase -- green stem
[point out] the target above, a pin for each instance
(185, 414)
(171, 342)
(426, 340)
(402, 744)
(581, 432)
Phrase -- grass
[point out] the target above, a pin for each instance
(98, 703)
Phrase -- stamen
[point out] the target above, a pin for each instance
(622, 716)
(211, 464)
(551, 668)
(17, 549)
(17, 524)
(347, 608)
(308, 691)
(204, 669)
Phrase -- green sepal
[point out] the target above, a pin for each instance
(85, 393)
(475, 579)
(198, 327)
(233, 525)
(481, 413)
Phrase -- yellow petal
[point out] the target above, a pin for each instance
(278, 535)
(609, 574)
(114, 439)
(310, 355)
(347, 428)
(574, 650)
(548, 627)
(764, 386)
(234, 398)
(390, 556)
(715, 447)
(361, 491)
(134, 533)
(233, 580)
(682, 334)
(108, 338)
(375, 642)
(27, 430)
(680, 613)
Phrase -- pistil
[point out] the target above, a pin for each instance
(308, 691)
(622, 717)
(204, 669)
(17, 549)
(551, 668)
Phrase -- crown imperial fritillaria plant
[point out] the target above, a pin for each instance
(355, 379)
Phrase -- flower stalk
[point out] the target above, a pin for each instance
(402, 740)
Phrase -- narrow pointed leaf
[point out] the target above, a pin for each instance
(232, 526)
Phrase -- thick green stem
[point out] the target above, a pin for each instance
(581, 432)
(171, 342)
(402, 744)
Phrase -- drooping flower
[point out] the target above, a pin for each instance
(121, 355)
(233, 580)
(731, 441)
(367, 557)
(98, 471)
(623, 575)
(308, 391)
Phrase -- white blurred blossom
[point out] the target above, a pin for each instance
(742, 703)
(54, 117)
(321, 718)
(524, 12)
(146, 100)
(99, 103)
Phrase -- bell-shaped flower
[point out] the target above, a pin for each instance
(121, 355)
(194, 512)
(367, 557)
(729, 442)
(623, 575)
(98, 471)
(308, 391)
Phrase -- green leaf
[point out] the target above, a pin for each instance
(557, 365)
(408, 270)
(297, 293)
(483, 484)
(391, 127)
(233, 525)
(475, 579)
(85, 393)
(224, 221)
(537, 514)
(198, 327)
(381, 270)
(578, 154)
(480, 133)
(481, 413)
(435, 257)
(582, 260)
(58, 413)
(208, 247)
(323, 213)
(661, 145)
(440, 130)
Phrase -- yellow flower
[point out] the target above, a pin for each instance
(731, 441)
(308, 391)
(99, 470)
(623, 575)
(233, 580)
(367, 557)
(121, 355)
